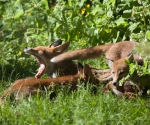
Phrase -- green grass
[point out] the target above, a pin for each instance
(78, 108)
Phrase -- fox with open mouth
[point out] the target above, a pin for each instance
(44, 54)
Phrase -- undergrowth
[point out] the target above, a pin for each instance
(78, 107)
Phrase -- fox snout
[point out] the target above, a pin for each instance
(26, 49)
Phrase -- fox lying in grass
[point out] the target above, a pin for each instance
(120, 69)
(43, 54)
(29, 86)
(113, 51)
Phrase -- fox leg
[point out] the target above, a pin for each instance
(113, 88)
(130, 95)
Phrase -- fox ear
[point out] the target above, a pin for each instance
(56, 43)
(87, 71)
(80, 68)
(62, 47)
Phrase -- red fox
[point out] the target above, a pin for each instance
(113, 51)
(43, 55)
(29, 86)
(120, 69)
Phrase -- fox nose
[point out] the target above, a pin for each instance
(26, 49)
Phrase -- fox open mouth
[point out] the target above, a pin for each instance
(41, 68)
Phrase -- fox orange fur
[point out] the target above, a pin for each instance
(113, 51)
(120, 69)
(29, 86)
(43, 54)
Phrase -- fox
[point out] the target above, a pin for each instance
(112, 51)
(120, 69)
(30, 86)
(43, 54)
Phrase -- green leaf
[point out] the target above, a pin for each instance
(148, 35)
(17, 1)
(110, 12)
(127, 13)
(45, 2)
(133, 26)
(19, 13)
(120, 21)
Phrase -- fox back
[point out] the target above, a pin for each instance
(113, 51)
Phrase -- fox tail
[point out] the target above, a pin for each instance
(87, 53)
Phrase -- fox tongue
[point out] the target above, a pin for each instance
(40, 71)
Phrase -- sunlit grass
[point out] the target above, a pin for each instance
(78, 107)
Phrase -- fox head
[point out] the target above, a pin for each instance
(44, 54)
(120, 68)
